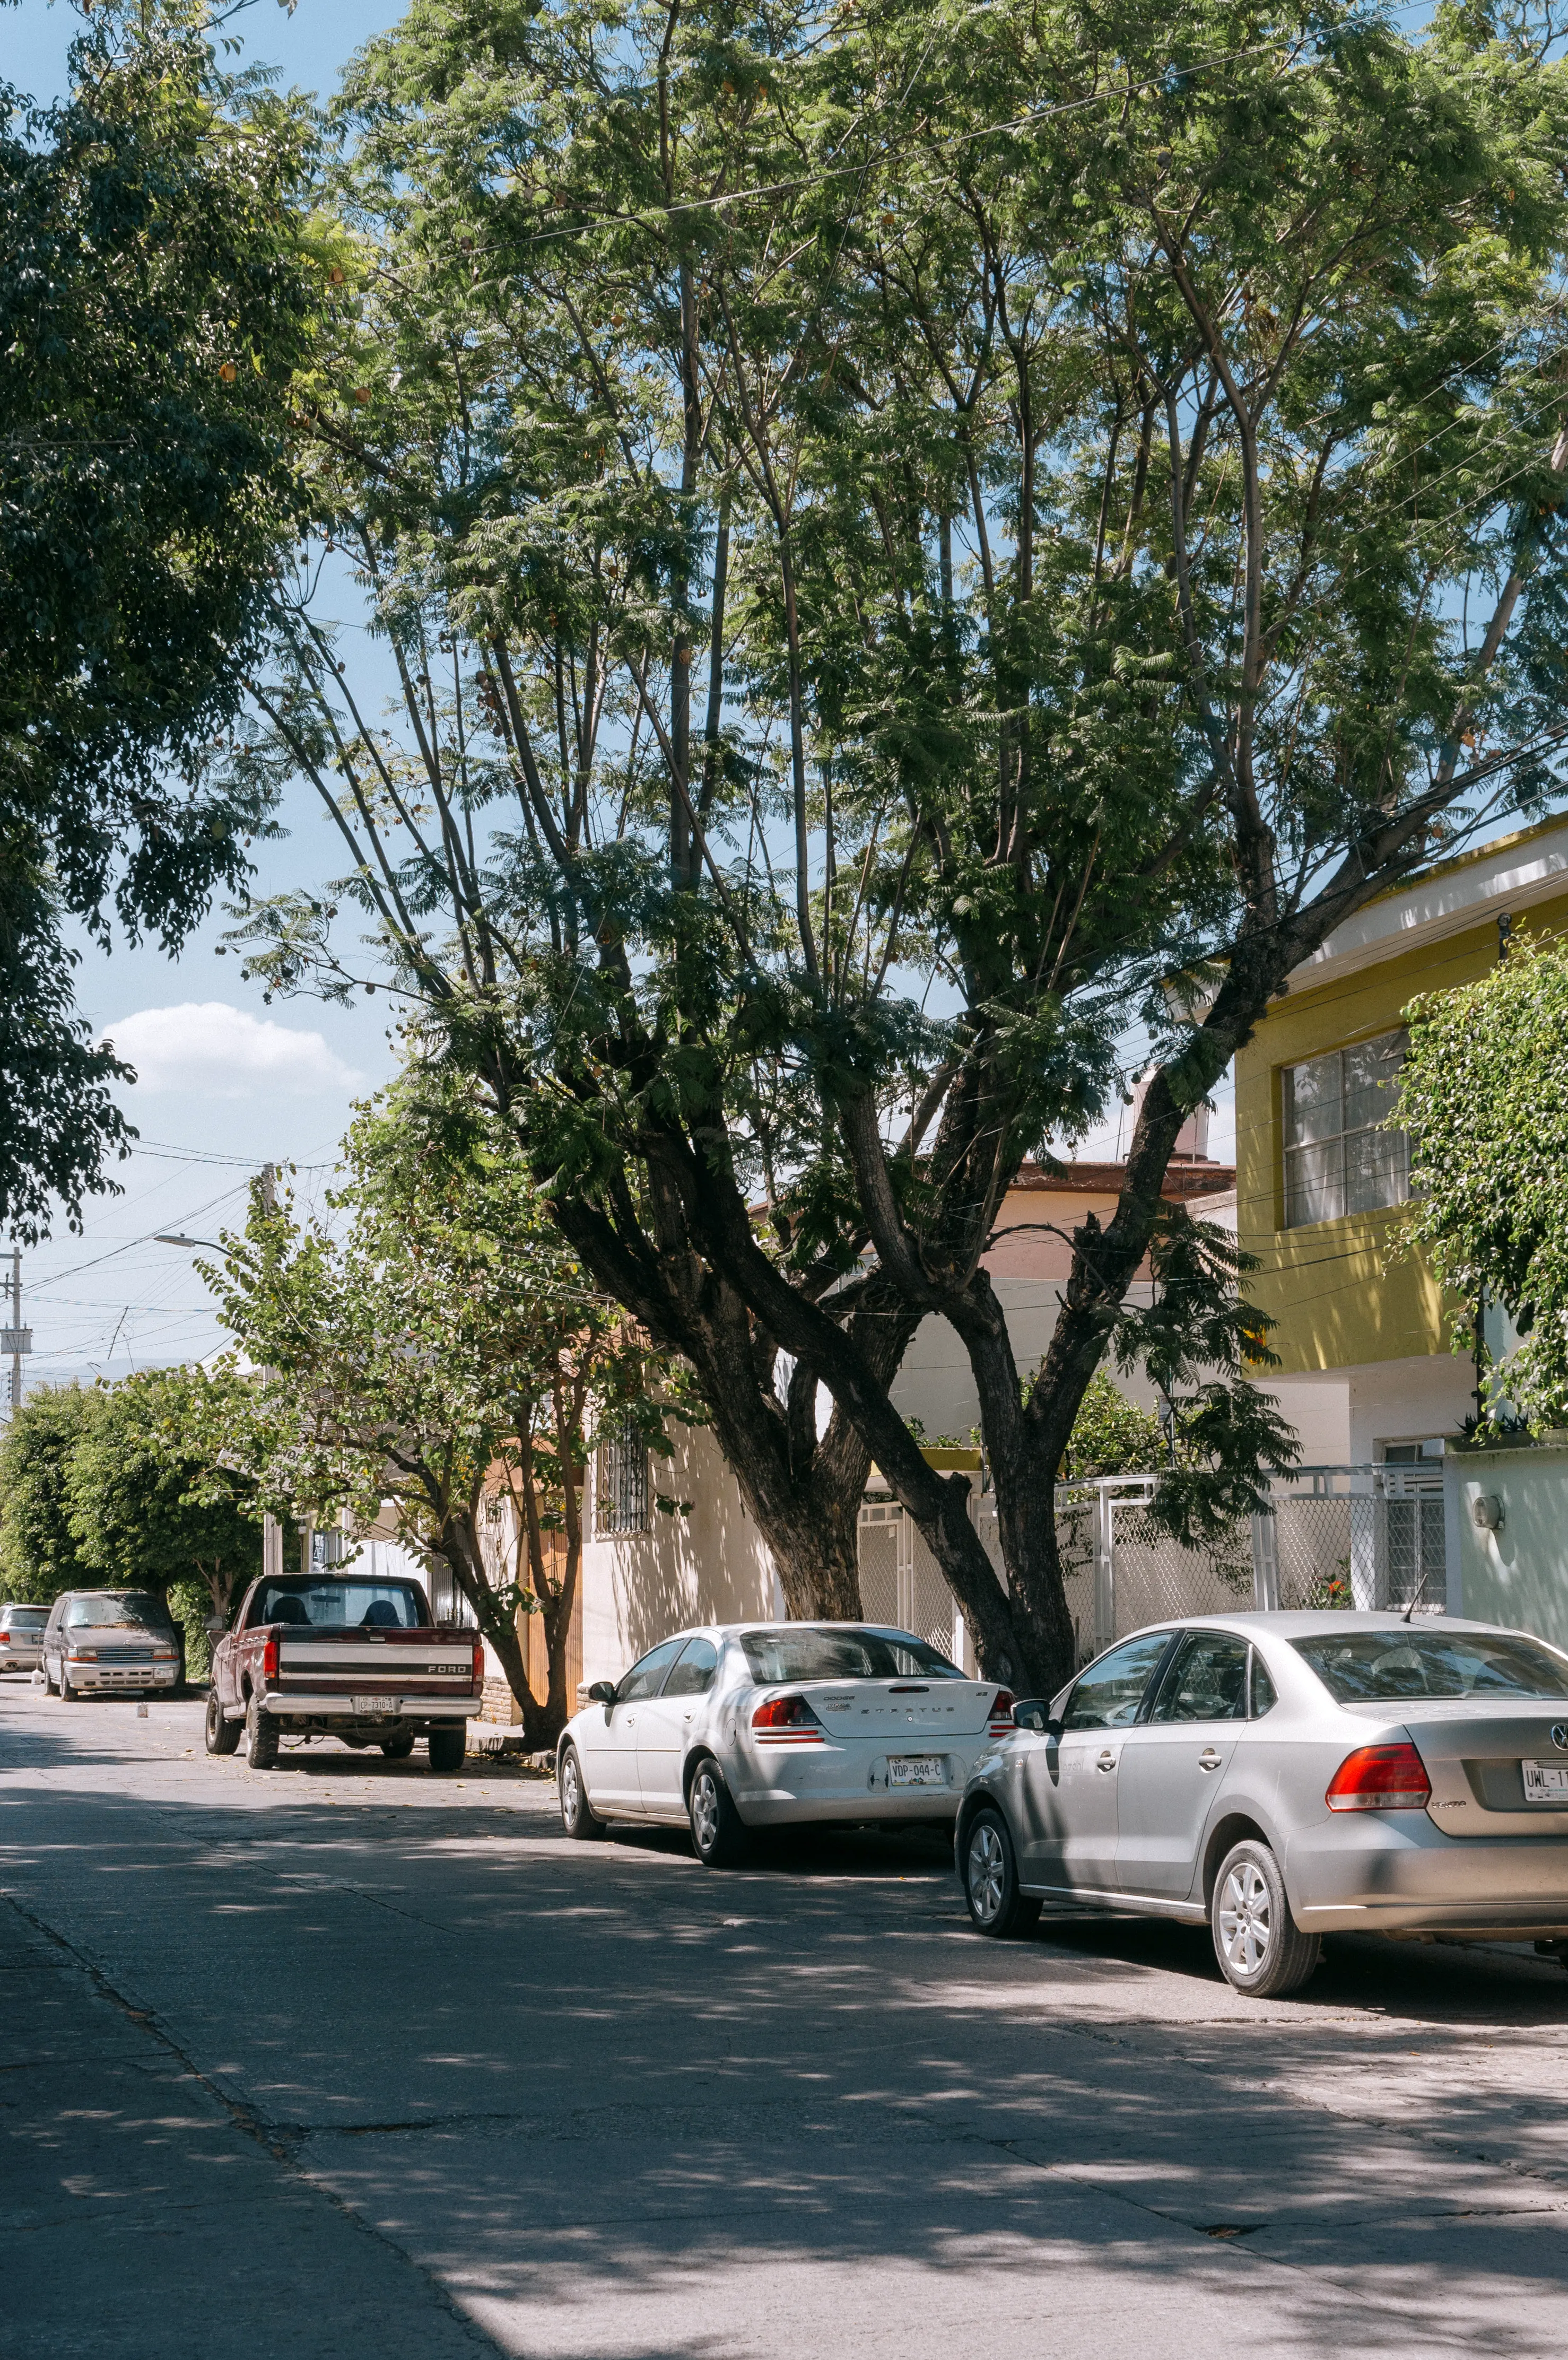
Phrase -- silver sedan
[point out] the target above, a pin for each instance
(1283, 1777)
(740, 1726)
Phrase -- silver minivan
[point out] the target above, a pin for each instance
(21, 1636)
(110, 1641)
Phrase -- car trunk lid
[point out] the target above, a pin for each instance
(920, 1711)
(1476, 1751)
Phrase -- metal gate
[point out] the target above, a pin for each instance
(1357, 1537)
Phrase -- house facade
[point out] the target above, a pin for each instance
(1362, 1330)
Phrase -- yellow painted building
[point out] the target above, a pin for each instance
(1362, 1331)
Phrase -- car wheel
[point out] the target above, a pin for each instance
(49, 1679)
(996, 1907)
(262, 1732)
(68, 1694)
(399, 1748)
(718, 1831)
(578, 1818)
(446, 1748)
(222, 1736)
(1260, 1948)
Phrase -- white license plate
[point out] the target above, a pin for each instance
(375, 1708)
(1545, 1782)
(916, 1770)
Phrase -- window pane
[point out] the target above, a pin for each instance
(1206, 1682)
(1312, 1101)
(1314, 1183)
(339, 1605)
(1367, 1666)
(1264, 1698)
(1376, 1170)
(620, 1486)
(1108, 1694)
(1372, 1080)
(646, 1676)
(694, 1675)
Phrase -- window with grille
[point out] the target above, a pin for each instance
(1339, 1157)
(620, 1480)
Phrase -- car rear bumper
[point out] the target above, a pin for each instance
(792, 1786)
(20, 1659)
(320, 1711)
(1395, 1871)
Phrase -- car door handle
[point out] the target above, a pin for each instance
(1209, 1760)
(1108, 1760)
(631, 1720)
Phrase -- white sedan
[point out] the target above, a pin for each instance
(739, 1726)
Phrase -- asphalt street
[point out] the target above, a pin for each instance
(341, 2059)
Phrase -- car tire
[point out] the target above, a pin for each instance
(399, 1748)
(67, 1693)
(262, 1732)
(718, 1832)
(49, 1679)
(221, 1735)
(991, 1894)
(1261, 1949)
(580, 1820)
(446, 1748)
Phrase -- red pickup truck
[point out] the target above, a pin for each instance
(334, 1655)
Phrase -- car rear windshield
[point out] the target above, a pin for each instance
(134, 1612)
(342, 1605)
(1366, 1666)
(804, 1653)
(25, 1618)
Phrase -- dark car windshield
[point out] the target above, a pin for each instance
(134, 1612)
(1367, 1666)
(803, 1652)
(345, 1605)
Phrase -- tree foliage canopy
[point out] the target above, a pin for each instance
(917, 542)
(159, 291)
(1485, 1095)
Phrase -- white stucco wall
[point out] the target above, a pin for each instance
(1518, 1575)
(712, 1566)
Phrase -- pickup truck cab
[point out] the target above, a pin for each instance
(336, 1655)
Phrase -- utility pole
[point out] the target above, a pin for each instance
(271, 1530)
(16, 1339)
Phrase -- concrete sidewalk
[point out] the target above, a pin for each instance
(140, 2213)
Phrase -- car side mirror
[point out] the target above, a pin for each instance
(602, 1692)
(1033, 1712)
(214, 1626)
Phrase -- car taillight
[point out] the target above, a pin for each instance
(788, 1717)
(1001, 1712)
(1381, 1778)
(269, 1658)
(479, 1667)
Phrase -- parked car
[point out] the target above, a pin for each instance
(1283, 1776)
(110, 1641)
(736, 1727)
(336, 1655)
(21, 1637)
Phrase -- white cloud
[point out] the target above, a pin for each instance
(221, 1052)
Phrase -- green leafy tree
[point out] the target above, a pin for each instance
(1111, 1436)
(158, 296)
(153, 1502)
(1121, 530)
(1484, 1094)
(41, 1552)
(437, 1347)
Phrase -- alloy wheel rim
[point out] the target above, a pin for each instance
(569, 1789)
(986, 1872)
(1245, 1927)
(704, 1811)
